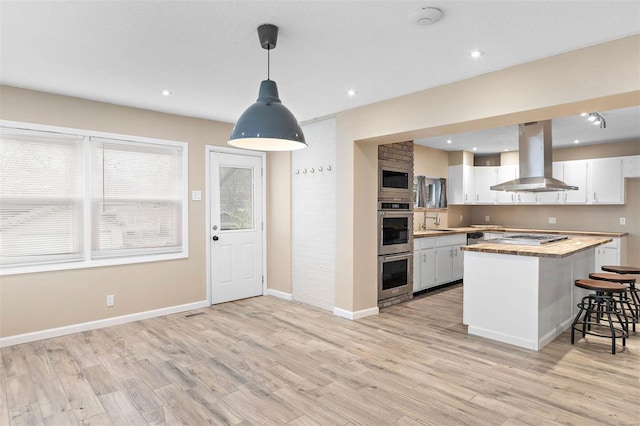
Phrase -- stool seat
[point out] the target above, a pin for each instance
(601, 286)
(621, 269)
(615, 278)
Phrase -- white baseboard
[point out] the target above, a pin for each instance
(279, 294)
(357, 314)
(92, 325)
(502, 337)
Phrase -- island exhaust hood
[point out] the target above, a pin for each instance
(536, 173)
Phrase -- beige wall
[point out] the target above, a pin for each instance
(32, 302)
(601, 77)
(430, 162)
(579, 218)
(279, 221)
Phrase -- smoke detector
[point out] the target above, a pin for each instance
(425, 15)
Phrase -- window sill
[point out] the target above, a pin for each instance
(50, 267)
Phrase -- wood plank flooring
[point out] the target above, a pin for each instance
(268, 361)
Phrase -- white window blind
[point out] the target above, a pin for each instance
(137, 192)
(41, 197)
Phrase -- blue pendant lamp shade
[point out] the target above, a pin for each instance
(267, 125)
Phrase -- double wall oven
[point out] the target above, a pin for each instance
(395, 252)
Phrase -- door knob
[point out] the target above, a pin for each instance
(215, 238)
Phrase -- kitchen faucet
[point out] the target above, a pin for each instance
(434, 216)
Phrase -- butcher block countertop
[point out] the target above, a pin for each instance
(494, 228)
(557, 249)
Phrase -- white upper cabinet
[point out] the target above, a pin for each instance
(631, 166)
(605, 181)
(505, 174)
(599, 181)
(460, 184)
(575, 174)
(485, 178)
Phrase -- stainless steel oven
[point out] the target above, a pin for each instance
(395, 227)
(395, 275)
(394, 182)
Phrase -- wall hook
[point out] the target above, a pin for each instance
(329, 167)
(320, 169)
(297, 171)
(313, 170)
(304, 171)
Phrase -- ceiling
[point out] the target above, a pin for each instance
(621, 125)
(207, 52)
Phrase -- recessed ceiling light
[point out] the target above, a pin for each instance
(506, 149)
(448, 140)
(475, 149)
(576, 141)
(476, 54)
(352, 92)
(584, 114)
(166, 93)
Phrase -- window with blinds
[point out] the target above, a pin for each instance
(86, 200)
(137, 198)
(41, 197)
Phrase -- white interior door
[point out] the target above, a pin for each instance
(236, 226)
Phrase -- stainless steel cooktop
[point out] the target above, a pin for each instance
(530, 239)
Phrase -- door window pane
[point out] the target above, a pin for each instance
(236, 198)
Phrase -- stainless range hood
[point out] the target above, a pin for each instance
(536, 173)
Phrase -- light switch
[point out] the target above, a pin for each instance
(487, 219)
(552, 219)
(623, 221)
(196, 195)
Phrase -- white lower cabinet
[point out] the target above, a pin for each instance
(610, 253)
(439, 261)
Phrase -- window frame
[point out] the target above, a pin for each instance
(88, 219)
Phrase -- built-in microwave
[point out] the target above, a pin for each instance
(394, 182)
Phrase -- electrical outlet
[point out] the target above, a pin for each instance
(552, 219)
(460, 218)
(623, 221)
(110, 300)
(487, 219)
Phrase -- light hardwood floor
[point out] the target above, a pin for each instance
(269, 361)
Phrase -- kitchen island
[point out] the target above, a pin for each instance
(525, 295)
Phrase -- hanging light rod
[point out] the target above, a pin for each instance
(267, 125)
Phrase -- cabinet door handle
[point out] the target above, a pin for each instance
(424, 257)
(455, 251)
(595, 197)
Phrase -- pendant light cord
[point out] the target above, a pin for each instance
(268, 61)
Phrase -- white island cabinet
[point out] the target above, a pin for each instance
(525, 295)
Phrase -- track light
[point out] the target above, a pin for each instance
(597, 120)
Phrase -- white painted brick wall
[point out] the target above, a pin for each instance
(314, 216)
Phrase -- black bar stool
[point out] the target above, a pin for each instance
(601, 305)
(630, 281)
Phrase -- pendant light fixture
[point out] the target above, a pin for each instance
(267, 125)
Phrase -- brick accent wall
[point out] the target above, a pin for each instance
(398, 155)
